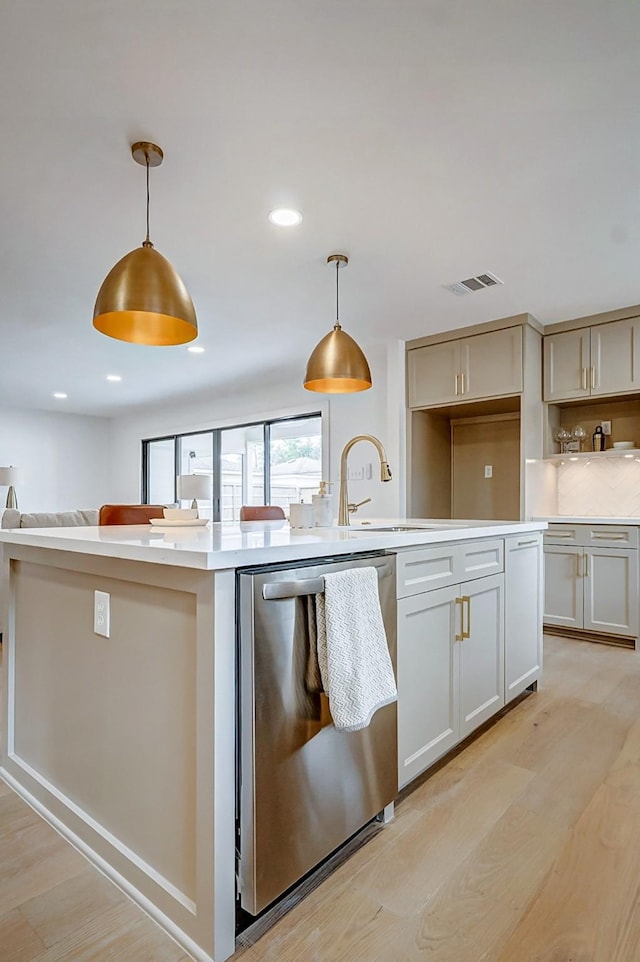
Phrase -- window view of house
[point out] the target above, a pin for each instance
(269, 462)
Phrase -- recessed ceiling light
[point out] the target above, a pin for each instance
(113, 377)
(196, 350)
(285, 217)
(60, 395)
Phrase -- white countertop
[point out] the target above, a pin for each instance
(228, 545)
(581, 519)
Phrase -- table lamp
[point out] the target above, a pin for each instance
(194, 486)
(11, 476)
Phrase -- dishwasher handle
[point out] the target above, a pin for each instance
(277, 590)
(292, 589)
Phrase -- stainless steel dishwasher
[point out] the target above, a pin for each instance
(304, 788)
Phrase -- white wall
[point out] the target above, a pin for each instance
(343, 417)
(65, 458)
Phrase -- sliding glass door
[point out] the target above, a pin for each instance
(160, 471)
(241, 469)
(196, 456)
(269, 462)
(295, 460)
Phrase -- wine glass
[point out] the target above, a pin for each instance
(579, 434)
(563, 437)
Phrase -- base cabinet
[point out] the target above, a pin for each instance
(591, 587)
(481, 652)
(563, 587)
(523, 562)
(428, 690)
(450, 668)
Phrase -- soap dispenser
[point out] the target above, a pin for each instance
(323, 506)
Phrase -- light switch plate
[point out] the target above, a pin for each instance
(606, 427)
(488, 470)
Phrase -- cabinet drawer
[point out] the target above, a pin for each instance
(562, 534)
(610, 536)
(423, 569)
(480, 558)
(597, 535)
(522, 541)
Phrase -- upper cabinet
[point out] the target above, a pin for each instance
(593, 361)
(466, 369)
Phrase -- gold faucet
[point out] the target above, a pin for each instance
(345, 508)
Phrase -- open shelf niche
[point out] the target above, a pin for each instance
(623, 412)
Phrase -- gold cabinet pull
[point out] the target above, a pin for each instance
(584, 378)
(456, 390)
(460, 601)
(467, 633)
(593, 378)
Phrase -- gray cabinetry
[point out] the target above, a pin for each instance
(465, 369)
(591, 578)
(450, 648)
(523, 612)
(597, 361)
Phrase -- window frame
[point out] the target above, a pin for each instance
(178, 439)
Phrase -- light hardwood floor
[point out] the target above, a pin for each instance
(525, 847)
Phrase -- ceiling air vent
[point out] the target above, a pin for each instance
(472, 284)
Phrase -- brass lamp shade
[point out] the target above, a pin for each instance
(143, 300)
(337, 365)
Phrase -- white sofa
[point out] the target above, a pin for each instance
(13, 518)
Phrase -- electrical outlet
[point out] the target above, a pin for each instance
(101, 613)
(606, 427)
(488, 470)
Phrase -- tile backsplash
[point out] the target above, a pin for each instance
(599, 487)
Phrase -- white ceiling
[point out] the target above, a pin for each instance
(428, 140)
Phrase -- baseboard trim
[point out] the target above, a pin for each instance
(600, 638)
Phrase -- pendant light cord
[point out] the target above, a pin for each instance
(147, 241)
(337, 295)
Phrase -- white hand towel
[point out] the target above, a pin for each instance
(353, 655)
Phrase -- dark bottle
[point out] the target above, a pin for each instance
(598, 439)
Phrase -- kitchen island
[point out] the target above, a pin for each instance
(120, 710)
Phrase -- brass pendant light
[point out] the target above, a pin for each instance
(142, 299)
(337, 365)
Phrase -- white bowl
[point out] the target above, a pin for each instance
(180, 514)
(624, 445)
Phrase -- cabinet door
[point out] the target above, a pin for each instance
(427, 680)
(523, 613)
(491, 364)
(567, 363)
(611, 591)
(563, 586)
(482, 652)
(433, 374)
(615, 357)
